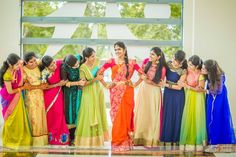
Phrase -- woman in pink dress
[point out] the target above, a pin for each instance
(148, 104)
(58, 133)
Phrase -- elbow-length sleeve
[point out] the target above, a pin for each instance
(108, 64)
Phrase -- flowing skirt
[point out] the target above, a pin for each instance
(92, 128)
(147, 115)
(34, 101)
(173, 106)
(123, 123)
(220, 128)
(193, 126)
(58, 133)
(16, 130)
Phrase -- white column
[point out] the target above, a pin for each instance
(188, 27)
(215, 38)
(9, 35)
(10, 28)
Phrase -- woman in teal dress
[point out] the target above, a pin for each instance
(72, 91)
(92, 128)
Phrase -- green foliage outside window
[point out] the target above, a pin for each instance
(141, 31)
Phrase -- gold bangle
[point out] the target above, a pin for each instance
(18, 89)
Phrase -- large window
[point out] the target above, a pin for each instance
(58, 28)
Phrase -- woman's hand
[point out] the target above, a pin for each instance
(130, 83)
(62, 82)
(182, 84)
(99, 77)
(68, 84)
(44, 85)
(26, 86)
(143, 77)
(82, 82)
(162, 83)
(110, 85)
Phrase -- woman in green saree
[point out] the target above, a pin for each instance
(92, 128)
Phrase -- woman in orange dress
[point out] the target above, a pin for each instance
(121, 97)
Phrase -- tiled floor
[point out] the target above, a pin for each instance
(68, 151)
(161, 151)
(58, 151)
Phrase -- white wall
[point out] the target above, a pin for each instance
(213, 36)
(9, 28)
(9, 34)
(188, 27)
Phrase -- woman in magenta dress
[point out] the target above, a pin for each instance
(58, 133)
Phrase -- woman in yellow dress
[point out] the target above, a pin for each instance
(16, 130)
(34, 101)
(193, 125)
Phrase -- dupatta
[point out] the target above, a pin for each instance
(9, 101)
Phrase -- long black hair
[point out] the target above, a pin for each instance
(12, 59)
(122, 45)
(87, 52)
(180, 57)
(46, 61)
(162, 63)
(196, 61)
(70, 60)
(28, 56)
(214, 74)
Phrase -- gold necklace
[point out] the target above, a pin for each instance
(120, 62)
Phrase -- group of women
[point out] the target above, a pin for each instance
(61, 102)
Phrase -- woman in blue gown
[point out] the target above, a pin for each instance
(174, 98)
(220, 128)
